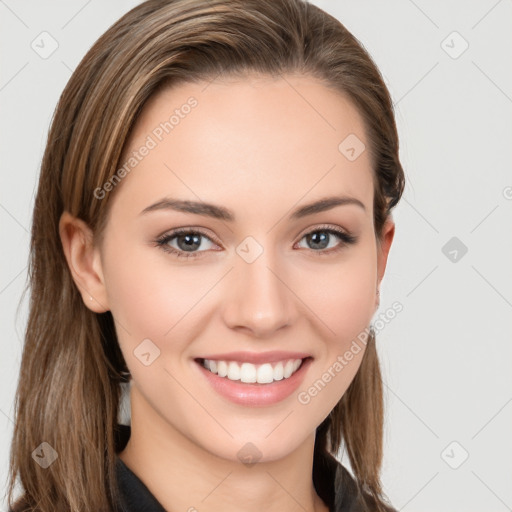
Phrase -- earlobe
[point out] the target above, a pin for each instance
(83, 261)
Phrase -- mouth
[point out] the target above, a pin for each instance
(254, 385)
(249, 373)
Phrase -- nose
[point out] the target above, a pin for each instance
(259, 298)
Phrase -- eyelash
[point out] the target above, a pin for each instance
(162, 241)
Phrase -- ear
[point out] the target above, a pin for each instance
(84, 261)
(388, 233)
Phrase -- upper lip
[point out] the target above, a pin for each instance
(258, 357)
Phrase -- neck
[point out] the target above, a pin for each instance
(182, 475)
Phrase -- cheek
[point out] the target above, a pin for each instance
(145, 297)
(342, 295)
(152, 298)
(343, 300)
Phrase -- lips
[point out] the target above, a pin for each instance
(255, 394)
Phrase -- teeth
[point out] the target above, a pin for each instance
(233, 371)
(279, 371)
(251, 373)
(222, 367)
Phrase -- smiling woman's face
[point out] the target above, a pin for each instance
(262, 273)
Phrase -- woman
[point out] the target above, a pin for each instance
(212, 225)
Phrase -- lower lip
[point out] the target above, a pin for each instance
(253, 394)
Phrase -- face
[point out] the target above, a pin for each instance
(255, 274)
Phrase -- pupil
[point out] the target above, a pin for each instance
(319, 239)
(190, 240)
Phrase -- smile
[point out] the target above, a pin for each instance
(250, 373)
(254, 385)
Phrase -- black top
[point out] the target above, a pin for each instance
(136, 496)
(340, 490)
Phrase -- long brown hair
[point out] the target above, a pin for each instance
(69, 389)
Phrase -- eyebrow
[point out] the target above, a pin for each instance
(222, 213)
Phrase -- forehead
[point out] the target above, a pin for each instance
(231, 140)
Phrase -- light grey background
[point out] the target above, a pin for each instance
(447, 356)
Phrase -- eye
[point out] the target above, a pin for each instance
(321, 239)
(189, 243)
(184, 242)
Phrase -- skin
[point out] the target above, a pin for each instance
(255, 146)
